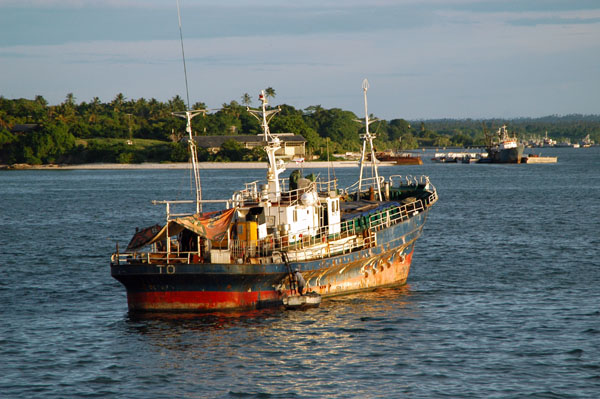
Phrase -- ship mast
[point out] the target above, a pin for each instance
(368, 137)
(188, 115)
(272, 145)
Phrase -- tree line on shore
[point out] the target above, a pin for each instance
(141, 130)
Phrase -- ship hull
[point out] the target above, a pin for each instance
(409, 161)
(509, 155)
(214, 287)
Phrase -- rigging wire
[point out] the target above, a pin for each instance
(187, 92)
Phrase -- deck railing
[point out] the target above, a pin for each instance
(366, 182)
(253, 194)
(354, 234)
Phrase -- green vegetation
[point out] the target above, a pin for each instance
(132, 131)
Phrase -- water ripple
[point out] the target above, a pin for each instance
(502, 300)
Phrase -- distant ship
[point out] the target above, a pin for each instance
(548, 142)
(587, 142)
(400, 158)
(503, 148)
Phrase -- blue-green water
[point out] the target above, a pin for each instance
(503, 299)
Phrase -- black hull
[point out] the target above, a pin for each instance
(510, 155)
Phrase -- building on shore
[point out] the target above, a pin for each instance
(292, 145)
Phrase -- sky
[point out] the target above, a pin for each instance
(424, 59)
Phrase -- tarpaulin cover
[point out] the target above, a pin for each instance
(143, 237)
(211, 225)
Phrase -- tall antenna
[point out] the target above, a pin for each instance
(187, 92)
(188, 115)
(368, 138)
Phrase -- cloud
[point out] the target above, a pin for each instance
(55, 22)
(423, 58)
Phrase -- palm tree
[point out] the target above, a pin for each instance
(117, 102)
(140, 108)
(93, 110)
(66, 110)
(270, 92)
(233, 108)
(177, 104)
(246, 99)
(70, 99)
(155, 109)
(199, 105)
(41, 101)
(313, 109)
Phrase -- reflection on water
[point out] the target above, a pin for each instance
(366, 303)
(212, 320)
(277, 332)
(339, 337)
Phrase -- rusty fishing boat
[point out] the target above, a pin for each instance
(295, 236)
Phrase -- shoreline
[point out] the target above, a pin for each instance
(185, 165)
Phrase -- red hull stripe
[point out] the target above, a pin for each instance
(198, 300)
